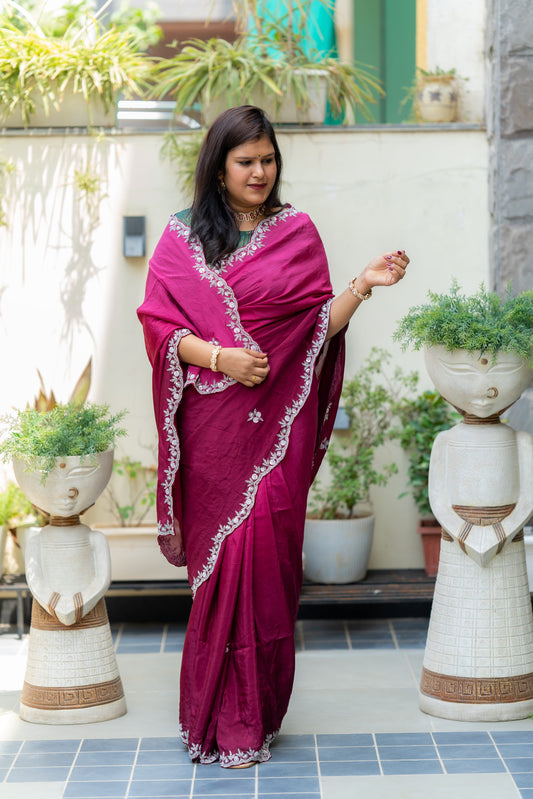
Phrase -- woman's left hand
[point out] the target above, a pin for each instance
(385, 270)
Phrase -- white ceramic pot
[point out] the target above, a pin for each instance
(337, 550)
(436, 100)
(528, 543)
(287, 112)
(135, 555)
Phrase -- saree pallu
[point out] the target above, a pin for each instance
(235, 466)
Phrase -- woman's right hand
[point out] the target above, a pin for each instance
(245, 366)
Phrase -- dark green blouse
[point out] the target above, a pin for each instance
(185, 217)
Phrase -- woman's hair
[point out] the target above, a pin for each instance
(212, 219)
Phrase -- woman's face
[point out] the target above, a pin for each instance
(250, 173)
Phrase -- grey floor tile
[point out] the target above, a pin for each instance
(513, 736)
(523, 780)
(293, 754)
(481, 766)
(51, 746)
(404, 739)
(357, 739)
(287, 785)
(293, 741)
(231, 787)
(411, 767)
(353, 769)
(515, 750)
(95, 790)
(163, 772)
(44, 759)
(97, 773)
(465, 738)
(152, 757)
(289, 796)
(6, 761)
(10, 747)
(161, 743)
(106, 744)
(338, 753)
(468, 751)
(112, 758)
(277, 769)
(38, 775)
(413, 752)
(153, 790)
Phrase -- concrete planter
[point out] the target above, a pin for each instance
(135, 555)
(337, 550)
(73, 112)
(287, 112)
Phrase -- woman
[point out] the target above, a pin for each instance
(246, 344)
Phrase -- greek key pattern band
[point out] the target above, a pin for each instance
(72, 698)
(41, 620)
(477, 691)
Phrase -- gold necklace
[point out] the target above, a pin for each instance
(250, 216)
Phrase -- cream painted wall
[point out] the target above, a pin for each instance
(456, 39)
(67, 292)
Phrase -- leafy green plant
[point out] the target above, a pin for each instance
(13, 506)
(91, 61)
(39, 437)
(133, 495)
(482, 322)
(182, 150)
(369, 399)
(272, 56)
(420, 419)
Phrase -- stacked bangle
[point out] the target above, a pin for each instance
(358, 294)
(214, 358)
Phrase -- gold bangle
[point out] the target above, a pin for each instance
(214, 358)
(358, 294)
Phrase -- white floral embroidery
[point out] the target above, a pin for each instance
(326, 415)
(275, 456)
(255, 416)
(173, 400)
(324, 444)
(228, 759)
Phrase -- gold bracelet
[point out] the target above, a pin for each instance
(214, 358)
(358, 294)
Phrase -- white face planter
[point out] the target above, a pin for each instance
(72, 486)
(68, 570)
(478, 383)
(478, 664)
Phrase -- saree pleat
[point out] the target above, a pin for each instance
(238, 660)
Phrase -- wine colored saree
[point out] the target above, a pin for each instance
(235, 466)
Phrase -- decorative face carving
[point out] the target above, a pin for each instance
(476, 383)
(71, 487)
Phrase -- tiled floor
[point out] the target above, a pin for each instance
(353, 729)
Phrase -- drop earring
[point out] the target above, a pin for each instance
(221, 185)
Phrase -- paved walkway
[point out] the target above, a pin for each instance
(353, 729)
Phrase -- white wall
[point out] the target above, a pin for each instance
(66, 291)
(456, 39)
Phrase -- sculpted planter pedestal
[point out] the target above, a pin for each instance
(71, 675)
(478, 663)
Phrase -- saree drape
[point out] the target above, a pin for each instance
(236, 463)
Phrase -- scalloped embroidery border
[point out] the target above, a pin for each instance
(273, 459)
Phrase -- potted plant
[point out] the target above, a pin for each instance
(66, 76)
(340, 524)
(270, 65)
(420, 419)
(434, 94)
(14, 510)
(125, 514)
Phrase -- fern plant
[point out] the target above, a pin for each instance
(39, 437)
(482, 322)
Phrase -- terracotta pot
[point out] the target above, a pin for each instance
(431, 533)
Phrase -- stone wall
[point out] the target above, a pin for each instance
(510, 129)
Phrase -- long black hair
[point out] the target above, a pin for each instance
(212, 219)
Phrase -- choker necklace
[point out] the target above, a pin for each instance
(250, 216)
